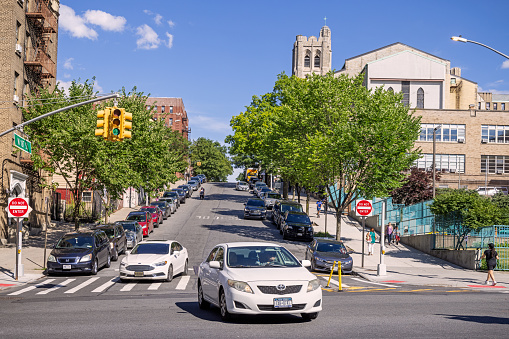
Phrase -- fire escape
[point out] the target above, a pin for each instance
(42, 24)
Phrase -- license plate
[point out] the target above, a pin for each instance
(282, 302)
(138, 274)
(299, 234)
(66, 267)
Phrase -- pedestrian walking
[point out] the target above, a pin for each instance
(491, 260)
(389, 231)
(318, 208)
(371, 238)
(395, 235)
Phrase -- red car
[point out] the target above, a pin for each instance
(157, 214)
(144, 218)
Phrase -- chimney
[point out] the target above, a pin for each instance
(456, 71)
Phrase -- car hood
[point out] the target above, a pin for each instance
(145, 259)
(297, 224)
(274, 274)
(254, 208)
(331, 255)
(58, 252)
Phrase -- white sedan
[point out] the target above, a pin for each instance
(153, 260)
(258, 278)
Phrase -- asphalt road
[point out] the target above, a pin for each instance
(102, 306)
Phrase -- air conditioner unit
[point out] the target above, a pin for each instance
(15, 99)
(461, 140)
(484, 141)
(18, 48)
(500, 171)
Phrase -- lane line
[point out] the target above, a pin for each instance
(334, 282)
(154, 286)
(183, 283)
(372, 289)
(128, 287)
(57, 286)
(80, 286)
(374, 283)
(29, 288)
(106, 285)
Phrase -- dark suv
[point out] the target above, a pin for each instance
(296, 225)
(181, 193)
(281, 207)
(172, 194)
(117, 237)
(80, 252)
(255, 208)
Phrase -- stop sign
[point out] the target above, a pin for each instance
(364, 208)
(18, 208)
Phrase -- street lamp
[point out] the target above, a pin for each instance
(434, 150)
(461, 39)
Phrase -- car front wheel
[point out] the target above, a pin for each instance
(225, 315)
(108, 262)
(115, 254)
(202, 303)
(169, 277)
(95, 267)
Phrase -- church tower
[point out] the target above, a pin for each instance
(312, 55)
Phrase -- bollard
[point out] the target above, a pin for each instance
(339, 277)
(331, 271)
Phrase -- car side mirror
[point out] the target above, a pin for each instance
(217, 264)
(127, 252)
(306, 263)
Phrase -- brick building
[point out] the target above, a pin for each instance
(28, 54)
(173, 112)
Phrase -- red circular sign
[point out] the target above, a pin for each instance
(18, 207)
(364, 207)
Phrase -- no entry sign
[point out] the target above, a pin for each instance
(18, 208)
(363, 208)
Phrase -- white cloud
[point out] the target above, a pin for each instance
(67, 75)
(68, 63)
(74, 24)
(148, 37)
(105, 20)
(147, 11)
(505, 64)
(170, 40)
(65, 86)
(171, 24)
(212, 124)
(158, 18)
(98, 88)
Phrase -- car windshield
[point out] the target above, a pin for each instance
(180, 191)
(160, 204)
(110, 232)
(192, 182)
(331, 247)
(129, 227)
(150, 209)
(299, 218)
(291, 207)
(148, 248)
(170, 194)
(274, 195)
(255, 203)
(260, 256)
(136, 217)
(242, 183)
(260, 184)
(75, 241)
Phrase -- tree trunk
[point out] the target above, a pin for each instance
(307, 202)
(298, 188)
(106, 209)
(76, 211)
(338, 224)
(285, 190)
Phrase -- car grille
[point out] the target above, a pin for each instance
(68, 260)
(274, 290)
(271, 307)
(139, 268)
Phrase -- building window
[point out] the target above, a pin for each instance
(317, 61)
(307, 61)
(420, 98)
(446, 133)
(494, 106)
(86, 197)
(487, 106)
(495, 134)
(390, 89)
(147, 107)
(449, 163)
(496, 164)
(16, 78)
(163, 109)
(18, 32)
(171, 109)
(405, 88)
(502, 106)
(170, 122)
(453, 81)
(479, 106)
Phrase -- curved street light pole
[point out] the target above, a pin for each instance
(461, 39)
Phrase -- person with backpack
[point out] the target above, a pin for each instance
(491, 260)
(371, 238)
(318, 208)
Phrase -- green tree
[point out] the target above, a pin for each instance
(213, 159)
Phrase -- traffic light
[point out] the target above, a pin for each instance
(102, 123)
(114, 127)
(125, 124)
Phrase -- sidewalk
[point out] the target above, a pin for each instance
(404, 264)
(32, 255)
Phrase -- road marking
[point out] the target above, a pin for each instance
(372, 289)
(359, 287)
(29, 288)
(374, 283)
(334, 282)
(183, 283)
(154, 286)
(419, 290)
(128, 287)
(80, 286)
(106, 285)
(57, 286)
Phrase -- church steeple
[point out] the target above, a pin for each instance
(312, 55)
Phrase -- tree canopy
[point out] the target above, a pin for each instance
(213, 159)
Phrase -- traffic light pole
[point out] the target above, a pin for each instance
(20, 126)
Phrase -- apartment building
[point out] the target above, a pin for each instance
(172, 111)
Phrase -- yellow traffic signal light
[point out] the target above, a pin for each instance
(125, 124)
(103, 123)
(114, 127)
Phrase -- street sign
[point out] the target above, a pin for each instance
(22, 144)
(363, 208)
(18, 208)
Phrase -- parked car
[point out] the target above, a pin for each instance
(258, 186)
(323, 252)
(270, 199)
(144, 218)
(491, 190)
(263, 190)
(252, 182)
(133, 232)
(117, 238)
(199, 179)
(194, 184)
(172, 201)
(152, 260)
(164, 207)
(258, 278)
(281, 207)
(156, 213)
(172, 194)
(296, 225)
(181, 193)
(255, 208)
(242, 186)
(187, 189)
(204, 178)
(83, 252)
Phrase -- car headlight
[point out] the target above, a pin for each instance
(52, 258)
(240, 286)
(123, 263)
(313, 285)
(86, 258)
(290, 227)
(162, 263)
(320, 260)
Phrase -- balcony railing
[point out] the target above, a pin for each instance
(41, 11)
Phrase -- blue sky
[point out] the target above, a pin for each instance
(217, 54)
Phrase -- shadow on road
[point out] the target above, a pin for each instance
(477, 318)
